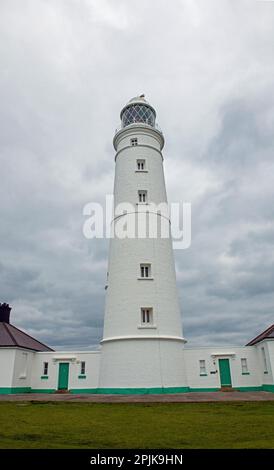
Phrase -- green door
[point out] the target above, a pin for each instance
(63, 376)
(225, 373)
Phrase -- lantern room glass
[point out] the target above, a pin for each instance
(138, 113)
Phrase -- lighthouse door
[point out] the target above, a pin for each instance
(63, 376)
(225, 375)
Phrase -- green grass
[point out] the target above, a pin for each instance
(168, 425)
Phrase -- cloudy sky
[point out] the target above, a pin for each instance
(67, 68)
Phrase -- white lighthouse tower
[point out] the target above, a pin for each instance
(142, 345)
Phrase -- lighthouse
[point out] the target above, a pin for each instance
(142, 345)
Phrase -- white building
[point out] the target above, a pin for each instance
(142, 350)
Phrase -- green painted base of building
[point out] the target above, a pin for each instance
(268, 388)
(133, 391)
(14, 390)
(249, 389)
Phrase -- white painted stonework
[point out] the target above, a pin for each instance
(138, 357)
(15, 376)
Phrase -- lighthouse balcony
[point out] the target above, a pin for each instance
(138, 123)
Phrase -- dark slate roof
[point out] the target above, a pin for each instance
(267, 334)
(10, 336)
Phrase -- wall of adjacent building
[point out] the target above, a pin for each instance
(95, 369)
(266, 373)
(270, 346)
(22, 370)
(76, 382)
(7, 356)
(212, 378)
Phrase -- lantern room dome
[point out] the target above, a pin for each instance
(138, 110)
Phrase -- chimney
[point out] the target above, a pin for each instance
(5, 313)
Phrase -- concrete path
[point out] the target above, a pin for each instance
(165, 398)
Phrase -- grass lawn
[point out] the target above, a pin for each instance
(167, 425)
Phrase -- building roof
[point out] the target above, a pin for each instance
(10, 336)
(267, 334)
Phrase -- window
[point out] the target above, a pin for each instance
(202, 364)
(142, 196)
(264, 361)
(141, 165)
(244, 366)
(134, 142)
(145, 270)
(46, 368)
(146, 316)
(138, 113)
(83, 368)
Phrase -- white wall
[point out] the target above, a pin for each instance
(91, 358)
(270, 347)
(142, 363)
(166, 362)
(136, 355)
(122, 366)
(22, 368)
(148, 136)
(7, 357)
(234, 354)
(269, 352)
(126, 293)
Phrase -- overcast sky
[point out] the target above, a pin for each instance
(67, 68)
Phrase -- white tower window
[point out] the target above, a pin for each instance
(145, 270)
(244, 366)
(142, 196)
(134, 142)
(140, 165)
(202, 364)
(146, 316)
